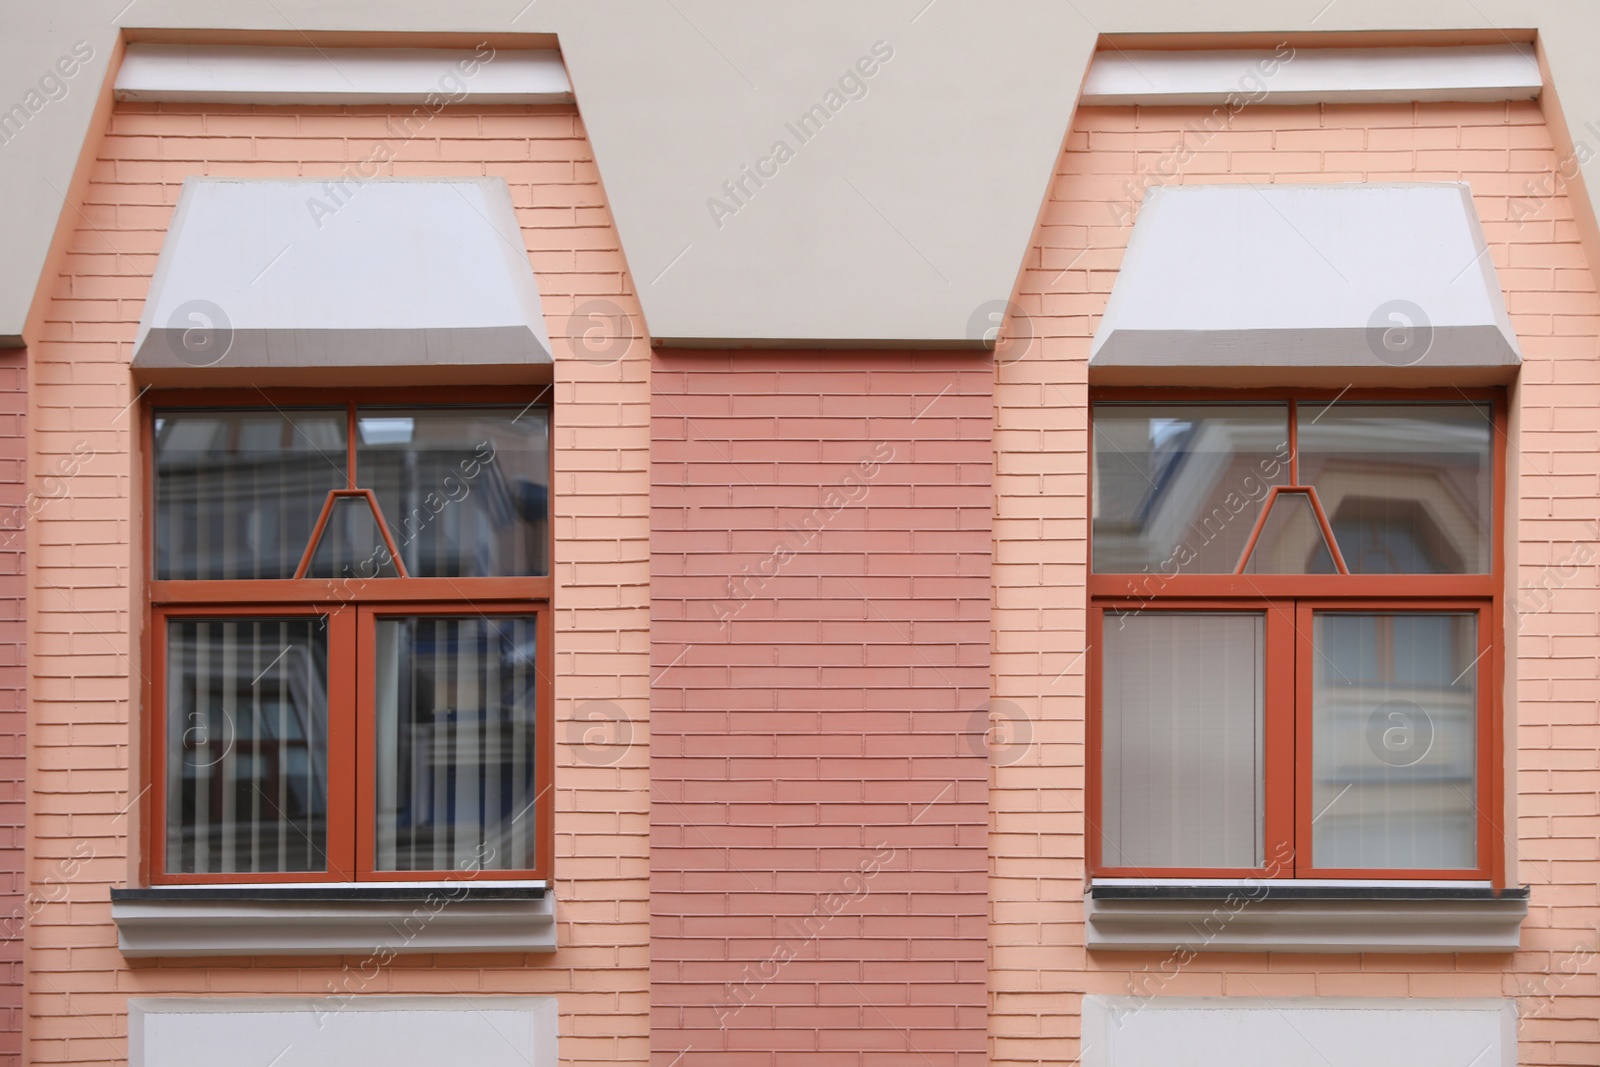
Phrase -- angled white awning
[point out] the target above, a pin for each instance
(1306, 276)
(314, 273)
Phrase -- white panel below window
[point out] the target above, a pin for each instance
(1297, 1032)
(342, 1031)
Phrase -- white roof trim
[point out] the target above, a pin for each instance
(268, 75)
(1350, 275)
(293, 273)
(1323, 75)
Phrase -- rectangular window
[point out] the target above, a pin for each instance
(1184, 739)
(350, 621)
(247, 736)
(1393, 753)
(455, 701)
(1293, 602)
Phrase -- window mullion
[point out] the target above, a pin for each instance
(1282, 760)
(1304, 781)
(344, 670)
(350, 446)
(1294, 442)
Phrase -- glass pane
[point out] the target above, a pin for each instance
(246, 745)
(351, 545)
(1181, 722)
(1406, 487)
(1394, 746)
(465, 491)
(1291, 540)
(1178, 487)
(237, 492)
(456, 782)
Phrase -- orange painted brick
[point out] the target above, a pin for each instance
(84, 612)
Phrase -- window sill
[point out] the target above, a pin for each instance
(336, 919)
(1265, 917)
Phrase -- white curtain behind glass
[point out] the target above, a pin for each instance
(1182, 714)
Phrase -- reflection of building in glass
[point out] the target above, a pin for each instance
(1179, 487)
(463, 491)
(456, 759)
(1405, 488)
(1394, 713)
(247, 771)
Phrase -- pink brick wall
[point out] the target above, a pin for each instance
(1039, 964)
(820, 560)
(85, 668)
(14, 516)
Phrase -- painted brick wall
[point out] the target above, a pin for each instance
(820, 569)
(14, 516)
(1040, 966)
(86, 657)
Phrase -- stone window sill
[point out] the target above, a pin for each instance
(1267, 917)
(338, 919)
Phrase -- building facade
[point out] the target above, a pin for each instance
(444, 627)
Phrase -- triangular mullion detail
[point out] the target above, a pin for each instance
(1290, 534)
(335, 500)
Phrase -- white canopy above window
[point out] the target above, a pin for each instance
(1306, 276)
(318, 273)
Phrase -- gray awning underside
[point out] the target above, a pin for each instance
(309, 273)
(1306, 276)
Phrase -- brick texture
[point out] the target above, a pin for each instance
(1039, 964)
(820, 562)
(16, 505)
(86, 619)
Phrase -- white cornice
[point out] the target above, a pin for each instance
(1310, 76)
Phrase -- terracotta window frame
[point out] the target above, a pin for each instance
(351, 608)
(1288, 602)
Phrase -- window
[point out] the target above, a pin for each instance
(1293, 609)
(350, 637)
